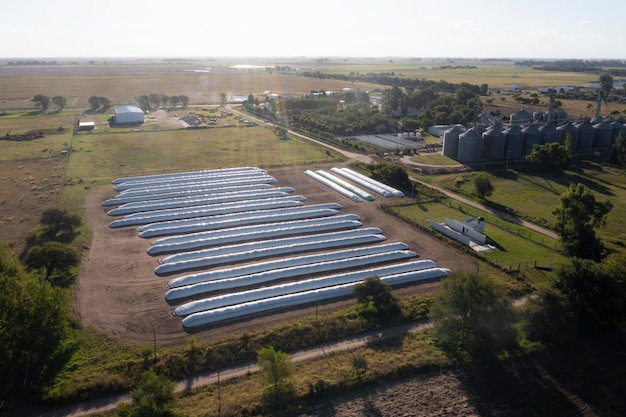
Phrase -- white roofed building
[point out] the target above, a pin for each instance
(128, 115)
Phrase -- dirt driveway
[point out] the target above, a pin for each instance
(119, 294)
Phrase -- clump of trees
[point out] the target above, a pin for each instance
(155, 100)
(100, 104)
(390, 174)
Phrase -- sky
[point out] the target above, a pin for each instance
(321, 28)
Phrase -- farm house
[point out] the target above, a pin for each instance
(128, 115)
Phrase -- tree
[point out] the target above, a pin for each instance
(94, 102)
(576, 219)
(99, 102)
(174, 100)
(359, 364)
(548, 318)
(276, 374)
(52, 257)
(153, 397)
(154, 99)
(372, 292)
(144, 103)
(41, 101)
(223, 100)
(618, 151)
(470, 313)
(184, 100)
(592, 292)
(105, 103)
(58, 225)
(393, 97)
(549, 156)
(34, 320)
(482, 185)
(606, 84)
(59, 101)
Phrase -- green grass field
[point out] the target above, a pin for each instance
(516, 248)
(534, 195)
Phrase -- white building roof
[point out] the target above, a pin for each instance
(127, 109)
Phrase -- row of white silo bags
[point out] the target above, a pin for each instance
(198, 321)
(367, 180)
(198, 200)
(259, 244)
(205, 180)
(154, 216)
(370, 186)
(217, 171)
(258, 267)
(272, 230)
(255, 254)
(343, 191)
(202, 223)
(183, 177)
(350, 187)
(252, 228)
(208, 184)
(178, 294)
(120, 199)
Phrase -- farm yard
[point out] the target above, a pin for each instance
(124, 291)
(125, 281)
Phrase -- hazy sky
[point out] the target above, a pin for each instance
(365, 28)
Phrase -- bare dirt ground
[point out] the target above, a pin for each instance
(119, 294)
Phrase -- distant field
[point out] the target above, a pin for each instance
(122, 83)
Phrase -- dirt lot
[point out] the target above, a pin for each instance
(119, 294)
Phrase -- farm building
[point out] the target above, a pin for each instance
(86, 126)
(128, 115)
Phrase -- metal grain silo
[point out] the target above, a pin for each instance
(451, 141)
(585, 136)
(469, 146)
(547, 133)
(513, 142)
(493, 143)
(563, 130)
(602, 135)
(520, 117)
(530, 138)
(617, 127)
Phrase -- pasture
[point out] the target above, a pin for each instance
(535, 195)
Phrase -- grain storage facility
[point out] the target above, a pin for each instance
(128, 115)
